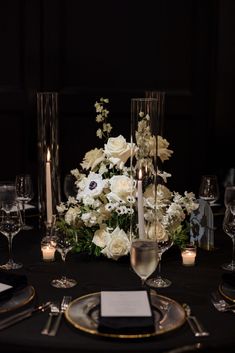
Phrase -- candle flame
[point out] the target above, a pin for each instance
(48, 155)
(140, 174)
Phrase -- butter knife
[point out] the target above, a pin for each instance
(13, 319)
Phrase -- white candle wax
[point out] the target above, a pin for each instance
(188, 257)
(48, 189)
(48, 252)
(140, 207)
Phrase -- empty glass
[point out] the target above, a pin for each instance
(229, 195)
(69, 186)
(10, 225)
(229, 229)
(24, 193)
(64, 245)
(209, 188)
(7, 192)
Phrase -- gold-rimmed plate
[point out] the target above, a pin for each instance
(83, 314)
(227, 291)
(18, 299)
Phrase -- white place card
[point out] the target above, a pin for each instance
(4, 286)
(125, 304)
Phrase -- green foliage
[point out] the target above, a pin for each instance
(181, 235)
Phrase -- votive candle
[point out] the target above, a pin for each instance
(48, 252)
(188, 255)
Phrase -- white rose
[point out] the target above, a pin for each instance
(160, 234)
(120, 186)
(118, 244)
(118, 150)
(92, 159)
(100, 236)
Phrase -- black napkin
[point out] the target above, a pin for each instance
(126, 325)
(229, 279)
(15, 280)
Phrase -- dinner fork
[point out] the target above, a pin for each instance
(54, 311)
(64, 305)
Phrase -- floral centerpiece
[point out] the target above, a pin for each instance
(99, 217)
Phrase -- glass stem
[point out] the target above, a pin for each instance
(159, 268)
(10, 248)
(233, 251)
(23, 212)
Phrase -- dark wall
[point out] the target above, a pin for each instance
(87, 49)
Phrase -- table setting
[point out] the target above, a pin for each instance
(89, 276)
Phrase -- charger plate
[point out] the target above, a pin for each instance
(227, 291)
(83, 314)
(19, 299)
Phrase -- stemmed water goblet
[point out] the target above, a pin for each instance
(144, 257)
(64, 245)
(10, 225)
(160, 282)
(229, 229)
(209, 189)
(24, 194)
(229, 195)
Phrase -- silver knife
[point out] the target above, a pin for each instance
(13, 319)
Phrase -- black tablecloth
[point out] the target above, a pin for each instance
(192, 285)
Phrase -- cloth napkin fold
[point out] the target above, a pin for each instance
(17, 282)
(126, 324)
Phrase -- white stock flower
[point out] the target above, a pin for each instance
(72, 215)
(61, 208)
(118, 244)
(118, 149)
(92, 159)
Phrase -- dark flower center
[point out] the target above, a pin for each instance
(92, 185)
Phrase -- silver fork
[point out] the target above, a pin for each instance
(54, 311)
(64, 305)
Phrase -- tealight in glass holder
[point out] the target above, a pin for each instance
(48, 248)
(188, 254)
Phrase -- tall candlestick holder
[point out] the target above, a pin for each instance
(48, 156)
(144, 131)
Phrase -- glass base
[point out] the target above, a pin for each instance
(27, 227)
(11, 265)
(158, 282)
(63, 282)
(229, 266)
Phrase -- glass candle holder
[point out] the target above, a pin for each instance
(188, 254)
(48, 248)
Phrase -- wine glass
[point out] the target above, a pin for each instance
(64, 244)
(10, 225)
(69, 186)
(160, 282)
(229, 195)
(7, 192)
(24, 194)
(144, 257)
(229, 229)
(209, 189)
